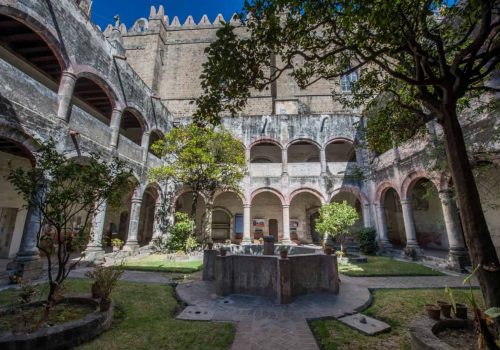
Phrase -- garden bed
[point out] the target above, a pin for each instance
(381, 266)
(160, 263)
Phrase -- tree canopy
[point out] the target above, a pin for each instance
(335, 219)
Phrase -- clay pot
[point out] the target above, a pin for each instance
(461, 311)
(445, 308)
(223, 252)
(210, 245)
(328, 250)
(433, 311)
(284, 254)
(104, 305)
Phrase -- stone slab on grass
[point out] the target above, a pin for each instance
(196, 313)
(365, 324)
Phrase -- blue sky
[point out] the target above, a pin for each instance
(130, 10)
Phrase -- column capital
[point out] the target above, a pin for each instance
(285, 206)
(68, 74)
(405, 201)
(136, 200)
(117, 110)
(247, 205)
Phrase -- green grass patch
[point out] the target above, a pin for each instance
(384, 266)
(144, 319)
(396, 307)
(158, 263)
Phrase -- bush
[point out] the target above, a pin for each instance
(367, 240)
(181, 234)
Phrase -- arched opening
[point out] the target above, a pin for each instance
(94, 99)
(23, 42)
(394, 219)
(265, 160)
(303, 159)
(147, 215)
(488, 183)
(184, 204)
(153, 138)
(228, 224)
(428, 216)
(132, 126)
(12, 211)
(353, 201)
(304, 209)
(266, 216)
(117, 217)
(340, 151)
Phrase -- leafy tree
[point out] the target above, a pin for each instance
(203, 159)
(335, 219)
(181, 234)
(367, 238)
(59, 190)
(417, 61)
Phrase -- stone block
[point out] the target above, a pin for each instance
(209, 264)
(365, 324)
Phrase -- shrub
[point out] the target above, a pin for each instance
(367, 238)
(105, 279)
(181, 234)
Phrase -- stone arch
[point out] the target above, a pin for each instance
(150, 197)
(411, 180)
(43, 29)
(133, 125)
(155, 135)
(141, 25)
(303, 139)
(266, 150)
(363, 199)
(271, 190)
(265, 140)
(382, 189)
(237, 193)
(303, 150)
(20, 138)
(222, 225)
(307, 190)
(343, 154)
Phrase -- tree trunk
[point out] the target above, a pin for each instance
(477, 235)
(207, 219)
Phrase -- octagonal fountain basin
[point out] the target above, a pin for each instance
(246, 270)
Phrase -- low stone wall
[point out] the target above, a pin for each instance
(423, 332)
(258, 249)
(275, 277)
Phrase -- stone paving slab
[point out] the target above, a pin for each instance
(196, 313)
(365, 324)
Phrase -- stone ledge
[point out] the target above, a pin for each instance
(423, 332)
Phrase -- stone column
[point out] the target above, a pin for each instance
(382, 229)
(284, 161)
(145, 146)
(65, 94)
(411, 234)
(133, 227)
(27, 262)
(247, 160)
(458, 254)
(367, 223)
(116, 119)
(246, 224)
(95, 251)
(286, 224)
(322, 159)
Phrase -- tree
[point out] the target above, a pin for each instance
(181, 234)
(58, 190)
(203, 159)
(423, 59)
(335, 219)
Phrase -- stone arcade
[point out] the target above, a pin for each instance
(118, 90)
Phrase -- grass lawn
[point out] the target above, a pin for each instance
(384, 266)
(396, 307)
(158, 263)
(144, 319)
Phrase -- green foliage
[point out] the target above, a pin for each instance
(60, 190)
(105, 279)
(367, 238)
(117, 242)
(335, 219)
(181, 234)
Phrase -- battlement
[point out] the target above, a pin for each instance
(144, 25)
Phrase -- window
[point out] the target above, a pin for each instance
(347, 80)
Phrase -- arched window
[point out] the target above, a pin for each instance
(95, 97)
(132, 126)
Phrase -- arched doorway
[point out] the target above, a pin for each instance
(132, 126)
(147, 215)
(12, 211)
(304, 209)
(266, 216)
(428, 216)
(90, 95)
(394, 219)
(229, 207)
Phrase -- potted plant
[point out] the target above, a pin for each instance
(433, 311)
(334, 221)
(117, 244)
(284, 253)
(445, 308)
(105, 279)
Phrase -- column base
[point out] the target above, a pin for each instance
(412, 250)
(458, 258)
(28, 269)
(384, 244)
(131, 246)
(94, 254)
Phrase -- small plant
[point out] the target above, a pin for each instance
(181, 234)
(335, 219)
(367, 238)
(105, 280)
(117, 243)
(27, 291)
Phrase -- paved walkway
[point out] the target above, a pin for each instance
(264, 325)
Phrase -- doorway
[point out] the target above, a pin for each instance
(273, 229)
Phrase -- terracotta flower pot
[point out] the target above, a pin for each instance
(328, 250)
(445, 308)
(433, 311)
(284, 254)
(223, 252)
(461, 311)
(210, 245)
